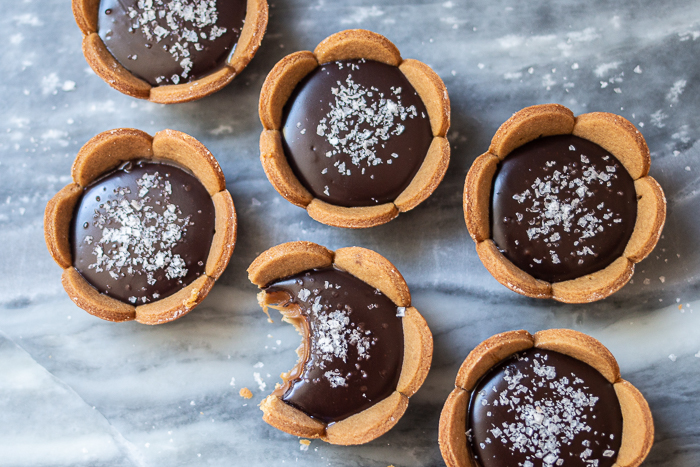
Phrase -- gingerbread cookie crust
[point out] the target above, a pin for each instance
(551, 347)
(311, 286)
(354, 52)
(102, 155)
(557, 197)
(192, 49)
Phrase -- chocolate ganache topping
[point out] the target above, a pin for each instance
(171, 41)
(142, 232)
(540, 408)
(562, 207)
(353, 343)
(355, 132)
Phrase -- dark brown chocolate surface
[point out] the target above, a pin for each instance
(142, 232)
(540, 408)
(562, 207)
(171, 41)
(355, 132)
(355, 344)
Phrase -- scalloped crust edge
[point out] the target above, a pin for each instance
(357, 43)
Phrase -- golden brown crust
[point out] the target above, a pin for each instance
(85, 13)
(278, 171)
(186, 151)
(357, 43)
(477, 196)
(351, 218)
(57, 221)
(618, 136)
(375, 270)
(417, 354)
(531, 123)
(108, 150)
(289, 419)
(510, 275)
(428, 177)
(288, 259)
(651, 216)
(110, 70)
(280, 83)
(225, 232)
(489, 353)
(637, 425)
(594, 286)
(89, 299)
(432, 92)
(452, 436)
(186, 92)
(581, 347)
(251, 35)
(176, 305)
(369, 424)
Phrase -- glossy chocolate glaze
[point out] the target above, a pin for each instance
(142, 232)
(355, 132)
(562, 207)
(171, 41)
(540, 408)
(354, 348)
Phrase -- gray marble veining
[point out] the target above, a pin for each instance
(78, 391)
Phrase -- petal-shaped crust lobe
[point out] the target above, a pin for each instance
(581, 347)
(357, 43)
(369, 424)
(225, 232)
(432, 92)
(595, 286)
(477, 196)
(286, 260)
(489, 353)
(510, 275)
(417, 354)
(428, 177)
(618, 136)
(176, 305)
(637, 425)
(351, 218)
(651, 216)
(107, 151)
(57, 221)
(452, 437)
(531, 123)
(186, 92)
(278, 171)
(256, 17)
(375, 270)
(289, 419)
(85, 13)
(89, 299)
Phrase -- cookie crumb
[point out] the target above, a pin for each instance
(304, 444)
(245, 393)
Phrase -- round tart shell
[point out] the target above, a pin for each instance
(292, 258)
(100, 155)
(617, 136)
(637, 423)
(113, 73)
(346, 45)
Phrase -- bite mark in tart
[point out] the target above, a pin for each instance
(352, 132)
(562, 207)
(145, 228)
(170, 51)
(552, 398)
(364, 349)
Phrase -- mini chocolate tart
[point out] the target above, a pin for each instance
(145, 228)
(562, 207)
(365, 350)
(352, 132)
(170, 51)
(554, 398)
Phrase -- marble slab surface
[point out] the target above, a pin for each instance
(79, 391)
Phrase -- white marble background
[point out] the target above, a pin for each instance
(78, 391)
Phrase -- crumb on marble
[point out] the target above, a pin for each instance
(245, 393)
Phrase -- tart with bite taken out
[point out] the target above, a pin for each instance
(365, 350)
(170, 51)
(563, 207)
(354, 133)
(555, 398)
(144, 229)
